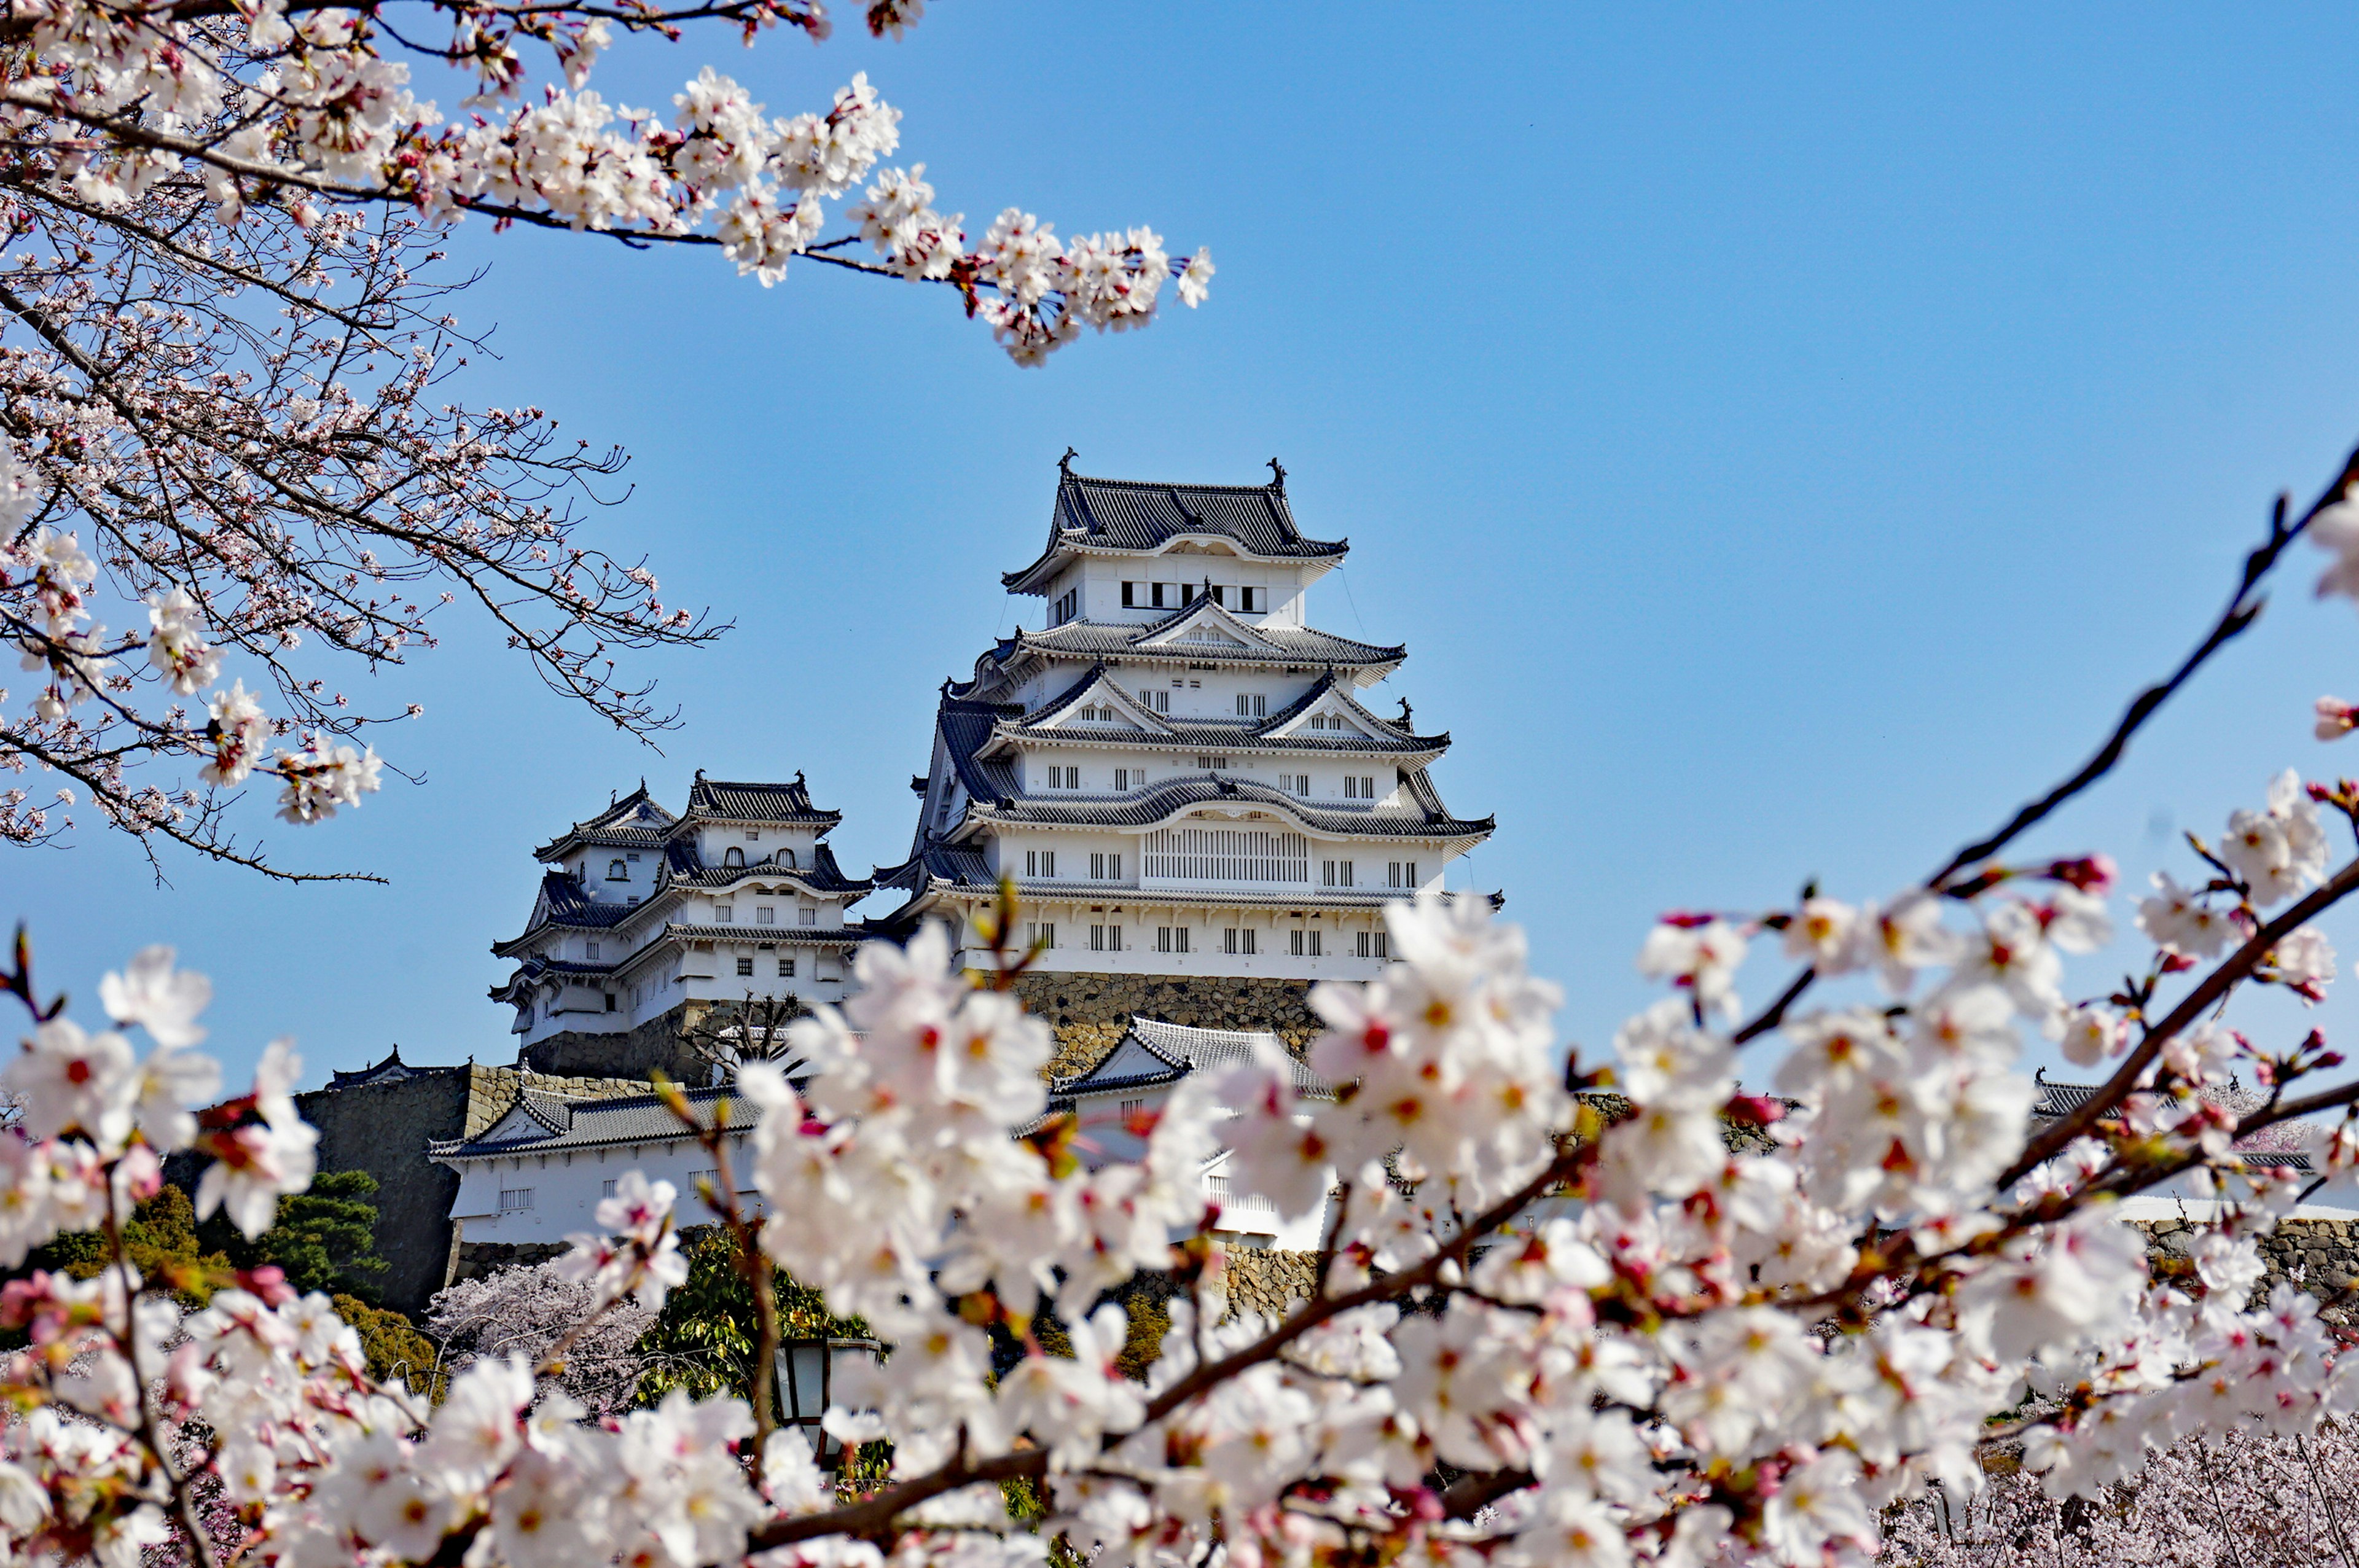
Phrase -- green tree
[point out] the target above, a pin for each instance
(325, 1239)
(160, 1239)
(393, 1347)
(705, 1337)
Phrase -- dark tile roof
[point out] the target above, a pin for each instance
(1136, 515)
(849, 935)
(562, 1124)
(635, 820)
(1162, 799)
(728, 801)
(1288, 645)
(2058, 1100)
(564, 903)
(822, 874)
(961, 865)
(1182, 1049)
(392, 1070)
(1237, 734)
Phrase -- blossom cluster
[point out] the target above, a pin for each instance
(1632, 1312)
(308, 103)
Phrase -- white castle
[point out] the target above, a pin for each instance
(1179, 773)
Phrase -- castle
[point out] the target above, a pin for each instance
(1191, 788)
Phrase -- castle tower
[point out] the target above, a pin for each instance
(1190, 786)
(649, 922)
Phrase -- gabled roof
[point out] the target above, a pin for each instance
(822, 875)
(392, 1070)
(735, 801)
(1144, 517)
(1168, 798)
(1292, 646)
(1152, 1052)
(2059, 1100)
(635, 821)
(542, 1123)
(1098, 682)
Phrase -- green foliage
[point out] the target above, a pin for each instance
(325, 1239)
(160, 1239)
(393, 1347)
(705, 1337)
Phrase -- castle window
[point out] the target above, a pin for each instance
(515, 1198)
(1170, 938)
(785, 857)
(1335, 873)
(1162, 598)
(1106, 938)
(735, 858)
(1039, 862)
(724, 913)
(1238, 939)
(616, 871)
(589, 949)
(1400, 873)
(1130, 596)
(610, 1002)
(807, 916)
(1131, 1107)
(1121, 779)
(1161, 701)
(753, 835)
(1301, 785)
(1187, 594)
(1206, 761)
(1253, 601)
(1253, 705)
(785, 968)
(606, 1187)
(746, 967)
(1042, 933)
(1069, 604)
(1376, 944)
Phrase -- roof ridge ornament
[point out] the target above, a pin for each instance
(1278, 476)
(1065, 463)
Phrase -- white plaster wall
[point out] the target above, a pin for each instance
(566, 1188)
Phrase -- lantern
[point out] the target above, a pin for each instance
(807, 1371)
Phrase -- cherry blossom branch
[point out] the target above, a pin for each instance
(2207, 993)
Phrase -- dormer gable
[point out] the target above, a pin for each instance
(1095, 708)
(1204, 624)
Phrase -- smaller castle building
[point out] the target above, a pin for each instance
(648, 924)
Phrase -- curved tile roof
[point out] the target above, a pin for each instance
(750, 801)
(1168, 797)
(1288, 645)
(1144, 515)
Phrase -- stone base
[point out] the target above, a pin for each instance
(2319, 1256)
(1089, 1013)
(627, 1053)
(480, 1260)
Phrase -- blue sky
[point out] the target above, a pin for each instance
(1784, 440)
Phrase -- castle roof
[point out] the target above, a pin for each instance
(541, 1123)
(728, 801)
(1152, 1054)
(2058, 1100)
(635, 820)
(1134, 727)
(1143, 517)
(392, 1070)
(1169, 799)
(1207, 641)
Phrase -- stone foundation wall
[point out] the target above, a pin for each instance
(631, 1054)
(2321, 1256)
(476, 1260)
(1089, 1013)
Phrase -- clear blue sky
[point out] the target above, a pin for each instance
(1783, 440)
